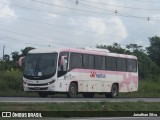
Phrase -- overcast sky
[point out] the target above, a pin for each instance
(62, 23)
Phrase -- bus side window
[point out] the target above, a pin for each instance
(111, 63)
(131, 65)
(99, 62)
(121, 64)
(75, 60)
(134, 65)
(62, 64)
(88, 61)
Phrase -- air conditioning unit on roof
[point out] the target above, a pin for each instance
(96, 49)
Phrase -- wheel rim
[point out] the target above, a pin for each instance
(114, 91)
(73, 91)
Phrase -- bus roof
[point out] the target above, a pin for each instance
(81, 50)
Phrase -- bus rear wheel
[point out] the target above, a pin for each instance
(113, 93)
(73, 91)
(43, 94)
(88, 95)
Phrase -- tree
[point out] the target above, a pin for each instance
(115, 48)
(144, 63)
(26, 50)
(134, 47)
(15, 56)
(154, 49)
(6, 57)
(147, 67)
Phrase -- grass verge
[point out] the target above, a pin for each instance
(102, 106)
(146, 88)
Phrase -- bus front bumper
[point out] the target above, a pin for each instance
(28, 88)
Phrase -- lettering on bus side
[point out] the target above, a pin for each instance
(100, 75)
(97, 75)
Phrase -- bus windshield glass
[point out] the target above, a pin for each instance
(40, 66)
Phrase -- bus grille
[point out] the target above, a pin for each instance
(37, 84)
(45, 88)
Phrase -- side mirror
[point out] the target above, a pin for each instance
(21, 62)
(63, 63)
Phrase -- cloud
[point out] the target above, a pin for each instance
(108, 30)
(6, 10)
(118, 27)
(72, 27)
(155, 18)
(97, 25)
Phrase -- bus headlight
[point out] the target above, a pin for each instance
(51, 82)
(25, 83)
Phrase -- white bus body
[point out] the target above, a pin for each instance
(79, 71)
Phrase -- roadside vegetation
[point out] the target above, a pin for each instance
(147, 88)
(11, 84)
(102, 106)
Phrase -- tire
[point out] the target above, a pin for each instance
(88, 95)
(113, 93)
(73, 91)
(43, 94)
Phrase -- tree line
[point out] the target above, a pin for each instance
(148, 58)
(11, 63)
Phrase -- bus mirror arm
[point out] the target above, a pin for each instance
(21, 62)
(63, 63)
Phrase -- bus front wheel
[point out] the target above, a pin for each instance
(72, 92)
(113, 93)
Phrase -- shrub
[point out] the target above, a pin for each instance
(10, 79)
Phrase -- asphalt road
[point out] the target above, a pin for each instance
(62, 100)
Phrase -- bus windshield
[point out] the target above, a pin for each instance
(40, 66)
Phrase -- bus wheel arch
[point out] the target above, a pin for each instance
(73, 89)
(114, 91)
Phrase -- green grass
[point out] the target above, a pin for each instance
(10, 80)
(103, 106)
(147, 88)
(11, 84)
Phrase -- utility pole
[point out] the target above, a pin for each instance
(3, 51)
(76, 2)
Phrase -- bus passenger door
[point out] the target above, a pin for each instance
(62, 71)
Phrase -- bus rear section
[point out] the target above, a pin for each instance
(107, 73)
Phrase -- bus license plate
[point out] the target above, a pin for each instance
(37, 88)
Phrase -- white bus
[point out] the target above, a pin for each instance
(84, 71)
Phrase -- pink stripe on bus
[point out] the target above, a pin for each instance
(127, 76)
(94, 52)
